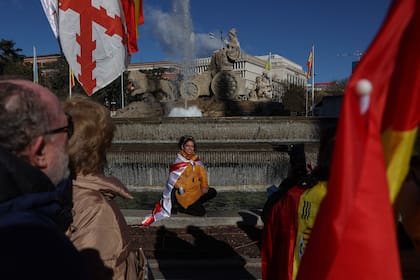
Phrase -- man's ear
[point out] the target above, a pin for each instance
(37, 153)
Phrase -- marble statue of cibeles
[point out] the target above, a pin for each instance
(223, 59)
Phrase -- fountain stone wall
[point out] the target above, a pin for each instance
(240, 153)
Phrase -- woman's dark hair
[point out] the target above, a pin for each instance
(184, 139)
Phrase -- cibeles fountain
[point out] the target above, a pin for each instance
(241, 136)
(218, 91)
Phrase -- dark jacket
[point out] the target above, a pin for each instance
(33, 217)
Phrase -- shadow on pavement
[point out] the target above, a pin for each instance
(249, 225)
(197, 256)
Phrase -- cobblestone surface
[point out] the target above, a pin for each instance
(227, 242)
(193, 242)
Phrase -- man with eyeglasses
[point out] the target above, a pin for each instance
(35, 194)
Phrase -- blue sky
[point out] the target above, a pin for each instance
(338, 29)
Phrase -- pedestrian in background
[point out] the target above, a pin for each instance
(290, 215)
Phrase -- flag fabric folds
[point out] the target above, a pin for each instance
(309, 63)
(96, 37)
(94, 41)
(354, 235)
(133, 12)
(279, 237)
(139, 11)
(51, 11)
(286, 230)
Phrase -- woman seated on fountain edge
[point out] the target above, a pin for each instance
(187, 187)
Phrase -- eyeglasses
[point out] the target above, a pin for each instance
(67, 129)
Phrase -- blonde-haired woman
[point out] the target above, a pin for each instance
(98, 227)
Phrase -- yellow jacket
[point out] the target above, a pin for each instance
(193, 180)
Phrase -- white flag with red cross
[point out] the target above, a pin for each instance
(93, 38)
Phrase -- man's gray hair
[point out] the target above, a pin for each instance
(23, 116)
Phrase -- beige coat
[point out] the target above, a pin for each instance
(99, 227)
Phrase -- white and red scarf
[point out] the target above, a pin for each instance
(163, 208)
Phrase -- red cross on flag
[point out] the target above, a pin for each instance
(93, 38)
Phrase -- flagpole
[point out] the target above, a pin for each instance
(122, 90)
(269, 69)
(313, 78)
(306, 99)
(35, 67)
(70, 83)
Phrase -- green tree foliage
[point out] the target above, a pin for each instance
(19, 70)
(11, 62)
(294, 98)
(55, 76)
(337, 87)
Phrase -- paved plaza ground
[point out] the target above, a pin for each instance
(209, 252)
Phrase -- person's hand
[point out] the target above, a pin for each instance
(204, 190)
(180, 190)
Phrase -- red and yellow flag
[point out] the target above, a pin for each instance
(310, 63)
(133, 12)
(287, 229)
(354, 235)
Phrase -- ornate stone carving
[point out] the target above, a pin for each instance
(223, 59)
(263, 88)
(225, 85)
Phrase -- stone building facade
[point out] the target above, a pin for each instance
(250, 67)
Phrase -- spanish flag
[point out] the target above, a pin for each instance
(287, 229)
(310, 63)
(354, 235)
(133, 12)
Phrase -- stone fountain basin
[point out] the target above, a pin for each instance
(240, 153)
